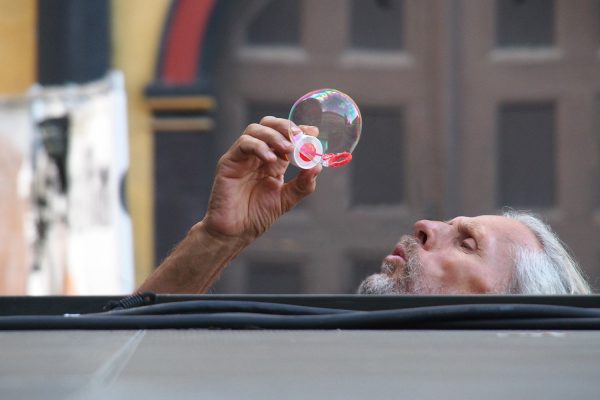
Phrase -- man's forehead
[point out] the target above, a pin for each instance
(505, 229)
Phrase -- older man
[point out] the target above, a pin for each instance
(512, 253)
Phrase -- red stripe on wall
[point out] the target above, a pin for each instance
(185, 41)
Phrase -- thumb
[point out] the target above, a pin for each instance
(298, 188)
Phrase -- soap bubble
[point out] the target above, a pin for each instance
(325, 127)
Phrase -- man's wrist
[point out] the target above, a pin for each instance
(202, 233)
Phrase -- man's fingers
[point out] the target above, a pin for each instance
(299, 187)
(273, 138)
(281, 125)
(251, 146)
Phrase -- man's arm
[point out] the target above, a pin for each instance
(248, 196)
(194, 265)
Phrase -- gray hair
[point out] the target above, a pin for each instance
(550, 271)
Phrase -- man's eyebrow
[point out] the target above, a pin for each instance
(468, 227)
(471, 228)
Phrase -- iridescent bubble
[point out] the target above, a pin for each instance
(325, 127)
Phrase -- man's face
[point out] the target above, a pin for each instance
(463, 255)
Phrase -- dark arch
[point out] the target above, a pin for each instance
(181, 98)
(188, 50)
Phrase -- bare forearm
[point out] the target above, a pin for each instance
(249, 194)
(194, 265)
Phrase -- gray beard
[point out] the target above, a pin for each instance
(380, 284)
(409, 282)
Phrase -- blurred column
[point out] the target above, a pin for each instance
(73, 41)
(80, 113)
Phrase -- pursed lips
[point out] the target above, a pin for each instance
(399, 251)
(394, 260)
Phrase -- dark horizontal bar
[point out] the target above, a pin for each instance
(58, 305)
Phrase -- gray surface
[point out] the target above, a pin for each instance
(299, 365)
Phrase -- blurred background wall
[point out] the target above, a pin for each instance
(468, 106)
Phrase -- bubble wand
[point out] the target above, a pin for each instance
(325, 127)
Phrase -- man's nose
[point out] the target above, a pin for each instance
(431, 234)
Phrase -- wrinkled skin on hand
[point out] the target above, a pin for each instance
(249, 193)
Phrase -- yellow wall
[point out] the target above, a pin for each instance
(137, 26)
(17, 46)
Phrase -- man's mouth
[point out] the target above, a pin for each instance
(394, 260)
(399, 251)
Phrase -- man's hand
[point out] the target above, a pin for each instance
(249, 193)
(248, 196)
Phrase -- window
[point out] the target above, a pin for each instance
(524, 23)
(257, 110)
(277, 24)
(526, 155)
(183, 177)
(377, 24)
(378, 161)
